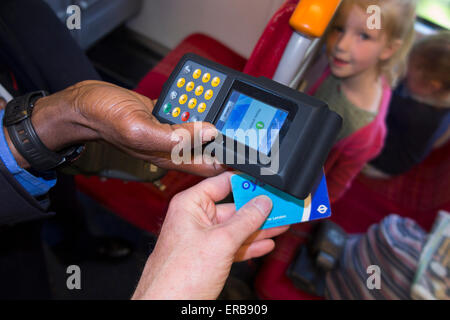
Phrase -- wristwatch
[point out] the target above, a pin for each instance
(17, 120)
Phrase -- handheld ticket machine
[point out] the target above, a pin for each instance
(288, 133)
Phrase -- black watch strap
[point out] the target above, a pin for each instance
(17, 120)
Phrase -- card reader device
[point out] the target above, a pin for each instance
(253, 115)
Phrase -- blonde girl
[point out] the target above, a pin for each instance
(364, 64)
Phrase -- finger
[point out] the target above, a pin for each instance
(254, 250)
(183, 137)
(248, 219)
(201, 132)
(225, 211)
(215, 188)
(203, 170)
(266, 234)
(166, 161)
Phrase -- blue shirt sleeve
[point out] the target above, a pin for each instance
(35, 185)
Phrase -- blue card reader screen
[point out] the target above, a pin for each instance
(247, 113)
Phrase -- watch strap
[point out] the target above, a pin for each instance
(17, 120)
(20, 108)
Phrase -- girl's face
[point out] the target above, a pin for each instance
(352, 47)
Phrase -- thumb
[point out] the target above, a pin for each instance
(249, 219)
(201, 132)
(165, 137)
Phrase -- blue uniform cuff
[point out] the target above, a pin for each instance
(36, 185)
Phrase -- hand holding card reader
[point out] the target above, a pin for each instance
(291, 132)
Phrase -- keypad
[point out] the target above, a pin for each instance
(192, 94)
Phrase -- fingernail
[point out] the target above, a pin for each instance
(208, 134)
(264, 204)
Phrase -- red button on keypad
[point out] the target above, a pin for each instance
(185, 116)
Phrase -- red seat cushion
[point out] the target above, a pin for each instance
(417, 194)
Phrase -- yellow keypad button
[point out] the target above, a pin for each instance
(206, 77)
(181, 82)
(215, 81)
(199, 90)
(190, 86)
(197, 73)
(192, 103)
(176, 112)
(201, 107)
(183, 99)
(208, 94)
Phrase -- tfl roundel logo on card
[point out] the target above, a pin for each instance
(246, 185)
(322, 209)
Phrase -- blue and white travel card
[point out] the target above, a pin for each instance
(286, 208)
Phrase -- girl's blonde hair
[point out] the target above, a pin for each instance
(397, 23)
